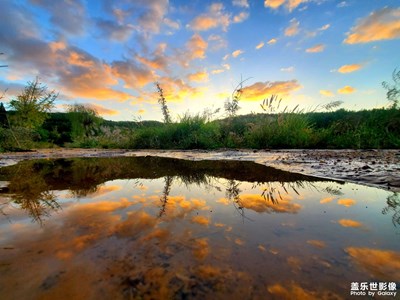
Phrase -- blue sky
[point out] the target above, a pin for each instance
(108, 54)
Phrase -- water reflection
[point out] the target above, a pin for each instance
(31, 184)
(143, 228)
(393, 205)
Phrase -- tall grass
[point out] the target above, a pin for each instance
(281, 128)
(191, 132)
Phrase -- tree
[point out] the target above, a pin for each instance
(32, 106)
(163, 102)
(84, 120)
(393, 90)
(3, 116)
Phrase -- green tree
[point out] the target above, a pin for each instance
(393, 90)
(3, 116)
(32, 106)
(85, 120)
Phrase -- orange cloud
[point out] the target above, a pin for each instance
(382, 264)
(289, 4)
(346, 202)
(158, 61)
(294, 262)
(316, 48)
(317, 243)
(202, 23)
(350, 223)
(141, 111)
(260, 45)
(292, 4)
(240, 17)
(136, 224)
(257, 203)
(78, 59)
(197, 47)
(106, 189)
(295, 291)
(326, 93)
(133, 75)
(198, 77)
(217, 71)
(236, 53)
(349, 68)
(326, 200)
(223, 201)
(201, 248)
(201, 220)
(272, 41)
(273, 3)
(103, 111)
(239, 242)
(215, 17)
(261, 90)
(346, 90)
(383, 24)
(94, 78)
(176, 90)
(293, 28)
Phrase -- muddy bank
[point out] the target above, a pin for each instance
(379, 168)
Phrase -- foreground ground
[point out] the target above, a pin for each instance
(379, 168)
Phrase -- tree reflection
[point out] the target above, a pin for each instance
(164, 198)
(393, 202)
(233, 194)
(31, 183)
(31, 193)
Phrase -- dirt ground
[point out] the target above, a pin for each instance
(379, 168)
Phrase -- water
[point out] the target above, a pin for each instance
(153, 228)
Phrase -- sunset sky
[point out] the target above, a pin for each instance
(108, 54)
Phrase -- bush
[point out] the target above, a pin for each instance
(17, 139)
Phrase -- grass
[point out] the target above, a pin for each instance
(341, 129)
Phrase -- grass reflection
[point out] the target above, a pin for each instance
(31, 183)
(393, 205)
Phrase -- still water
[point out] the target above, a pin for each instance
(154, 228)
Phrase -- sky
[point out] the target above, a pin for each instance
(108, 54)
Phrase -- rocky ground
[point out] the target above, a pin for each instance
(379, 168)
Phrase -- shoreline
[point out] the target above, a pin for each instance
(377, 168)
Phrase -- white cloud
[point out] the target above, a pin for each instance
(241, 3)
(288, 69)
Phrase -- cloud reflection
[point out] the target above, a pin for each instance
(382, 264)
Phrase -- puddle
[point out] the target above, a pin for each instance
(157, 228)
